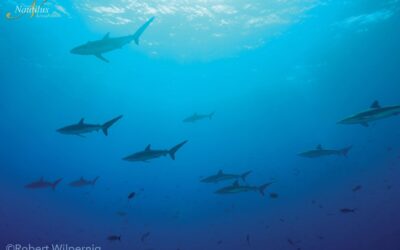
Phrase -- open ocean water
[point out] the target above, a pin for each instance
(217, 88)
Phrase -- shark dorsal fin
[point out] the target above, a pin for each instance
(220, 172)
(41, 178)
(81, 121)
(81, 179)
(148, 148)
(375, 105)
(319, 147)
(106, 36)
(236, 184)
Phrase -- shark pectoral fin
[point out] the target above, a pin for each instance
(101, 57)
(365, 124)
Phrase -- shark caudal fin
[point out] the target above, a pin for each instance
(54, 185)
(95, 180)
(244, 175)
(262, 188)
(140, 31)
(346, 150)
(173, 150)
(108, 124)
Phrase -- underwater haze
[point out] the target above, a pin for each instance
(200, 124)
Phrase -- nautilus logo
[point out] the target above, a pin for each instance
(34, 9)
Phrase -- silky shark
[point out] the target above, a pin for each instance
(82, 128)
(237, 188)
(148, 153)
(41, 183)
(221, 176)
(196, 117)
(83, 183)
(99, 47)
(376, 112)
(320, 152)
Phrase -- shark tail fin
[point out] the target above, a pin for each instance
(54, 185)
(108, 124)
(244, 175)
(346, 150)
(263, 187)
(173, 150)
(94, 181)
(140, 31)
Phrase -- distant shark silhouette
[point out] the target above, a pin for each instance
(319, 151)
(99, 47)
(82, 128)
(196, 117)
(83, 183)
(41, 183)
(221, 176)
(148, 153)
(236, 188)
(376, 112)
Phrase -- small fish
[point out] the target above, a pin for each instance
(144, 236)
(273, 195)
(114, 238)
(219, 242)
(248, 239)
(357, 188)
(131, 195)
(347, 210)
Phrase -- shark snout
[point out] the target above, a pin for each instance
(60, 130)
(340, 122)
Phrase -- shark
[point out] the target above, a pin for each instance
(82, 128)
(148, 153)
(99, 47)
(196, 117)
(83, 183)
(374, 113)
(41, 184)
(237, 188)
(221, 176)
(319, 151)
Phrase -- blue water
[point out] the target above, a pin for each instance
(279, 75)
